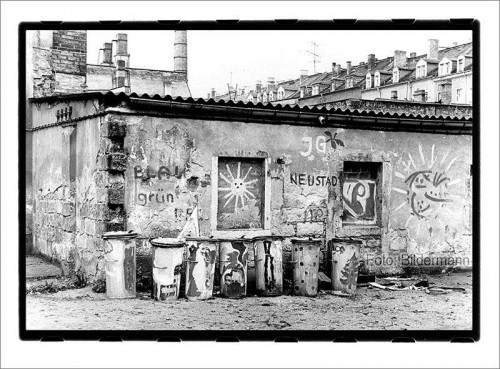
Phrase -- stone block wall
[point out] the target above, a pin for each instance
(54, 216)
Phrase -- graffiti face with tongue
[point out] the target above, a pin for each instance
(427, 192)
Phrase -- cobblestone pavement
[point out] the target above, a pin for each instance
(370, 309)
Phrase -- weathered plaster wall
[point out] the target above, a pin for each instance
(71, 209)
(100, 77)
(147, 174)
(169, 172)
(54, 222)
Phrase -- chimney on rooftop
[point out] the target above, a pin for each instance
(121, 74)
(433, 49)
(348, 68)
(371, 61)
(455, 43)
(120, 48)
(335, 69)
(106, 54)
(413, 55)
(258, 87)
(180, 52)
(399, 58)
(270, 83)
(303, 75)
(212, 94)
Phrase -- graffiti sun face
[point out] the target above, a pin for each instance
(427, 190)
(239, 188)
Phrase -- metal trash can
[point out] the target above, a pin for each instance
(345, 264)
(268, 265)
(167, 264)
(201, 257)
(305, 257)
(120, 264)
(233, 267)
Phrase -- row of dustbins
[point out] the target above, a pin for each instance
(202, 256)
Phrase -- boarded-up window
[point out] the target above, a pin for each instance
(359, 192)
(240, 197)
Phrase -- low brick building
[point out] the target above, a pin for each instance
(400, 183)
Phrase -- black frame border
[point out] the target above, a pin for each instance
(258, 335)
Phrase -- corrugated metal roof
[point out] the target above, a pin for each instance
(116, 97)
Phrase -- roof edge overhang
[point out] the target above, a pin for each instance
(268, 114)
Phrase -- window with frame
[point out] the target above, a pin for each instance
(421, 71)
(360, 191)
(459, 94)
(241, 185)
(394, 95)
(461, 63)
(368, 81)
(395, 76)
(377, 80)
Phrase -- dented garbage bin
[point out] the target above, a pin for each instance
(233, 267)
(120, 264)
(305, 258)
(201, 257)
(345, 264)
(167, 264)
(268, 265)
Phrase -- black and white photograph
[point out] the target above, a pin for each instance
(240, 186)
(257, 179)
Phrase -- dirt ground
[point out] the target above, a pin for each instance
(370, 308)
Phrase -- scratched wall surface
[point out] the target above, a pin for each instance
(67, 207)
(422, 193)
(150, 176)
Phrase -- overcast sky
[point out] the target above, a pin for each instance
(216, 58)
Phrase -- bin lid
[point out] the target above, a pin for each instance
(307, 240)
(234, 239)
(166, 242)
(273, 237)
(202, 239)
(119, 234)
(351, 240)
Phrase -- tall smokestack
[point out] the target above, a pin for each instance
(180, 52)
(348, 71)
